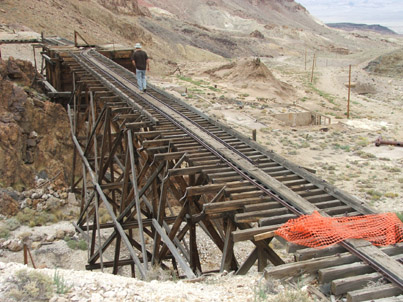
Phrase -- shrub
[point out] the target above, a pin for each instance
(13, 223)
(34, 218)
(4, 231)
(76, 244)
(375, 195)
(297, 295)
(61, 285)
(31, 286)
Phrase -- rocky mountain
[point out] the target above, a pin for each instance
(127, 7)
(390, 64)
(238, 15)
(184, 30)
(365, 27)
(34, 132)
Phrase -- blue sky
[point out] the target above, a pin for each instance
(384, 12)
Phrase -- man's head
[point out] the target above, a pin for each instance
(137, 46)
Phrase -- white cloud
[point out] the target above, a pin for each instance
(387, 12)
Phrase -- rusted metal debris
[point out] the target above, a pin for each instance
(379, 141)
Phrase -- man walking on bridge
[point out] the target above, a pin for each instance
(141, 62)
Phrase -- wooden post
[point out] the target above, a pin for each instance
(349, 89)
(75, 39)
(313, 66)
(305, 58)
(254, 134)
(25, 254)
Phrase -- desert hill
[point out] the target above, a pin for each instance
(390, 64)
(187, 30)
(353, 26)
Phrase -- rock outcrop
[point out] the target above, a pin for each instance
(128, 7)
(34, 132)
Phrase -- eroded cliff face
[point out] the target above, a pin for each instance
(129, 7)
(34, 132)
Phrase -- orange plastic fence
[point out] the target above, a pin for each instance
(317, 231)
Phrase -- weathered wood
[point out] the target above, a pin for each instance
(309, 266)
(137, 200)
(276, 220)
(198, 190)
(194, 253)
(261, 259)
(256, 215)
(342, 286)
(248, 234)
(168, 156)
(232, 205)
(309, 253)
(228, 251)
(332, 273)
(375, 292)
(174, 251)
(389, 299)
(265, 235)
(380, 258)
(245, 267)
(268, 204)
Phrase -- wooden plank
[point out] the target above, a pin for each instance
(168, 156)
(185, 267)
(261, 259)
(224, 180)
(245, 267)
(267, 205)
(332, 273)
(265, 235)
(342, 286)
(379, 257)
(320, 198)
(338, 210)
(309, 266)
(310, 253)
(232, 205)
(276, 220)
(374, 292)
(199, 190)
(256, 215)
(389, 299)
(49, 86)
(186, 171)
(228, 251)
(138, 125)
(248, 234)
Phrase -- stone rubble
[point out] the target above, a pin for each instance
(96, 287)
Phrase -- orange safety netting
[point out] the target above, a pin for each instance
(317, 231)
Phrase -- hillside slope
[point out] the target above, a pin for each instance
(236, 14)
(365, 27)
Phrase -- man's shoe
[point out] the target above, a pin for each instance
(145, 90)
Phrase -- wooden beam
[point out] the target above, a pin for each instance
(245, 267)
(185, 267)
(374, 292)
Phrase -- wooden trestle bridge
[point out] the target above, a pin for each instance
(163, 170)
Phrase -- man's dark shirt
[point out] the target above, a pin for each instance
(140, 58)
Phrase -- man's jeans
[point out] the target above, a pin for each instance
(141, 79)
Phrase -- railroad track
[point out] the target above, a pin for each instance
(145, 154)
